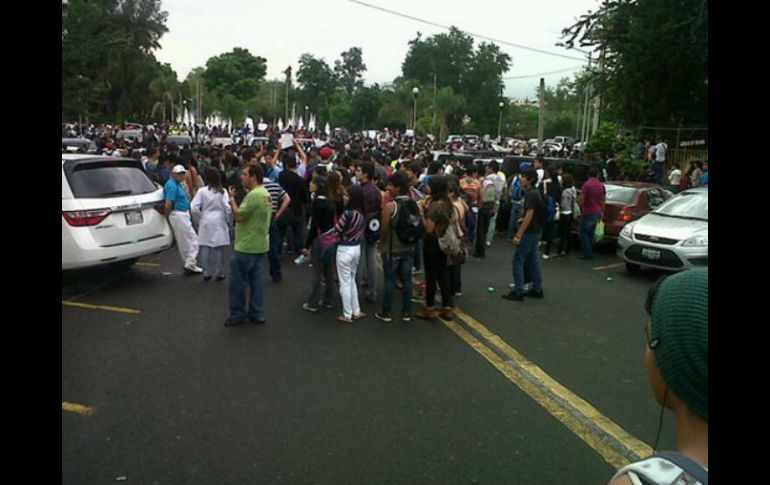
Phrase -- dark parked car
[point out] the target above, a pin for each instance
(626, 202)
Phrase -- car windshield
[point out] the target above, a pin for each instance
(687, 205)
(107, 178)
(619, 194)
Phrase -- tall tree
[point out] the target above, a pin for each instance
(655, 56)
(317, 84)
(350, 70)
(236, 73)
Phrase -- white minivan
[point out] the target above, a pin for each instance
(111, 212)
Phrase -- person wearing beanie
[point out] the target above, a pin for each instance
(677, 367)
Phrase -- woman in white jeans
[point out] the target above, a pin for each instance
(211, 207)
(350, 230)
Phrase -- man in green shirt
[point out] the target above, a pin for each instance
(247, 266)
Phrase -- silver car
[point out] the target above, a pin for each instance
(674, 237)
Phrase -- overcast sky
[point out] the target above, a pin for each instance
(282, 30)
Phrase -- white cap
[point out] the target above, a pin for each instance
(178, 169)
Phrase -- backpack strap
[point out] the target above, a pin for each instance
(693, 469)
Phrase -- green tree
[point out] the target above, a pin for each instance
(366, 104)
(350, 70)
(448, 105)
(655, 55)
(448, 56)
(484, 86)
(235, 73)
(603, 140)
(317, 84)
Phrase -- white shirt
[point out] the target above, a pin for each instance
(449, 170)
(540, 175)
(660, 152)
(675, 177)
(213, 211)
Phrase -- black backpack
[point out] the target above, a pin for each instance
(409, 227)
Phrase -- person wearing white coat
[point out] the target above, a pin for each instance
(211, 208)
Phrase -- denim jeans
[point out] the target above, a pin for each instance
(588, 224)
(367, 269)
(247, 271)
(400, 264)
(513, 222)
(212, 260)
(526, 254)
(275, 250)
(321, 270)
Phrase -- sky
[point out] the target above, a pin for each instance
(282, 30)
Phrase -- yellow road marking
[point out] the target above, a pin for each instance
(632, 444)
(77, 408)
(554, 408)
(149, 265)
(100, 307)
(610, 266)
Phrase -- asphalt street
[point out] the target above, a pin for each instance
(169, 395)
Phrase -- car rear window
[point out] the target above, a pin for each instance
(622, 195)
(107, 178)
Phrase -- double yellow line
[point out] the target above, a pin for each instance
(610, 441)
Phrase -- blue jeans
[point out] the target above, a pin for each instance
(400, 264)
(513, 222)
(367, 269)
(588, 224)
(247, 271)
(275, 250)
(526, 254)
(212, 259)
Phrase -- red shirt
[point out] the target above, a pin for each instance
(593, 195)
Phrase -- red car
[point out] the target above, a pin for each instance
(626, 202)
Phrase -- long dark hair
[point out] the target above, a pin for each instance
(356, 199)
(214, 180)
(439, 190)
(321, 185)
(336, 190)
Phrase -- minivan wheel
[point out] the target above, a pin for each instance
(633, 268)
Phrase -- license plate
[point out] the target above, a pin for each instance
(652, 254)
(134, 217)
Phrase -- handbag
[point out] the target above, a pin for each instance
(327, 244)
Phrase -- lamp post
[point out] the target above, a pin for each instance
(500, 120)
(415, 92)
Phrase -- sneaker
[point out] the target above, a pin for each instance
(489, 244)
(384, 316)
(257, 321)
(545, 256)
(416, 271)
(513, 296)
(193, 269)
(359, 316)
(459, 293)
(511, 285)
(207, 278)
(344, 319)
(233, 321)
(328, 306)
(446, 314)
(406, 317)
(534, 294)
(307, 307)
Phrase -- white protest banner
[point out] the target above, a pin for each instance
(287, 140)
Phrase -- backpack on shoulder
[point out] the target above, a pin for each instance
(409, 227)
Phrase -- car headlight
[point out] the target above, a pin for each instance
(696, 241)
(627, 231)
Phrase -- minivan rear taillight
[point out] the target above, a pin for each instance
(625, 215)
(85, 218)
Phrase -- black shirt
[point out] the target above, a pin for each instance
(534, 200)
(321, 218)
(294, 185)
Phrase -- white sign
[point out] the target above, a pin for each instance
(262, 126)
(287, 140)
(409, 133)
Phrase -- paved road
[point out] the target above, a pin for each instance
(175, 397)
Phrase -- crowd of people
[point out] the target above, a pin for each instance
(337, 204)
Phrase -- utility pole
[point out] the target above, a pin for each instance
(288, 80)
(588, 90)
(577, 120)
(540, 116)
(434, 104)
(598, 99)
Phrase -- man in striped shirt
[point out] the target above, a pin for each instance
(280, 201)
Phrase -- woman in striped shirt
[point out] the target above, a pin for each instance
(350, 230)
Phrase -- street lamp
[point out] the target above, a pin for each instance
(500, 121)
(415, 92)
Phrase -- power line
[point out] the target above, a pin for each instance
(417, 19)
(544, 73)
